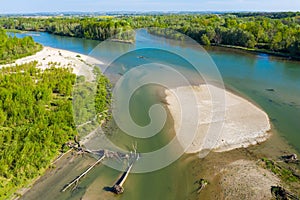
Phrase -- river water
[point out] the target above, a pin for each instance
(271, 83)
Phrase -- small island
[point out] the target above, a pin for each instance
(241, 122)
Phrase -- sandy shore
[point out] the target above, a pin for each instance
(80, 64)
(223, 122)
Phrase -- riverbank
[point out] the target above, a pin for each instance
(48, 57)
(280, 55)
(243, 123)
(253, 51)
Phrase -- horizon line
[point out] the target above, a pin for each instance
(153, 11)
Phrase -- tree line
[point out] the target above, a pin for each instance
(275, 32)
(89, 28)
(255, 32)
(12, 48)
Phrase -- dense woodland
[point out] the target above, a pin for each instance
(36, 119)
(273, 32)
(12, 48)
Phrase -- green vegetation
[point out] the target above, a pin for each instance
(276, 35)
(14, 31)
(202, 184)
(283, 173)
(89, 28)
(12, 48)
(288, 173)
(272, 15)
(103, 97)
(269, 32)
(91, 102)
(36, 119)
(84, 106)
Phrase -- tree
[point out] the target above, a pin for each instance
(205, 40)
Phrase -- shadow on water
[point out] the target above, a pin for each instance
(108, 189)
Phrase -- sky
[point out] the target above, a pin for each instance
(31, 6)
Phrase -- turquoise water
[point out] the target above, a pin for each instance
(272, 83)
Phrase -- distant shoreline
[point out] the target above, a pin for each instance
(239, 48)
(256, 51)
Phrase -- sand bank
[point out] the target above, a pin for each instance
(80, 64)
(224, 121)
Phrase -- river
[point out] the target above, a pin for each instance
(272, 83)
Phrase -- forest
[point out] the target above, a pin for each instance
(268, 32)
(12, 48)
(36, 119)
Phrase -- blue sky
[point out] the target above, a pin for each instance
(27, 6)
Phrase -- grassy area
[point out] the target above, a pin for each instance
(288, 173)
(282, 172)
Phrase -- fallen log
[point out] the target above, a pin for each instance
(60, 156)
(118, 186)
(76, 180)
(289, 158)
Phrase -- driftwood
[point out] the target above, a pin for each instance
(282, 194)
(77, 141)
(76, 180)
(77, 147)
(118, 186)
(289, 158)
(202, 183)
(60, 156)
